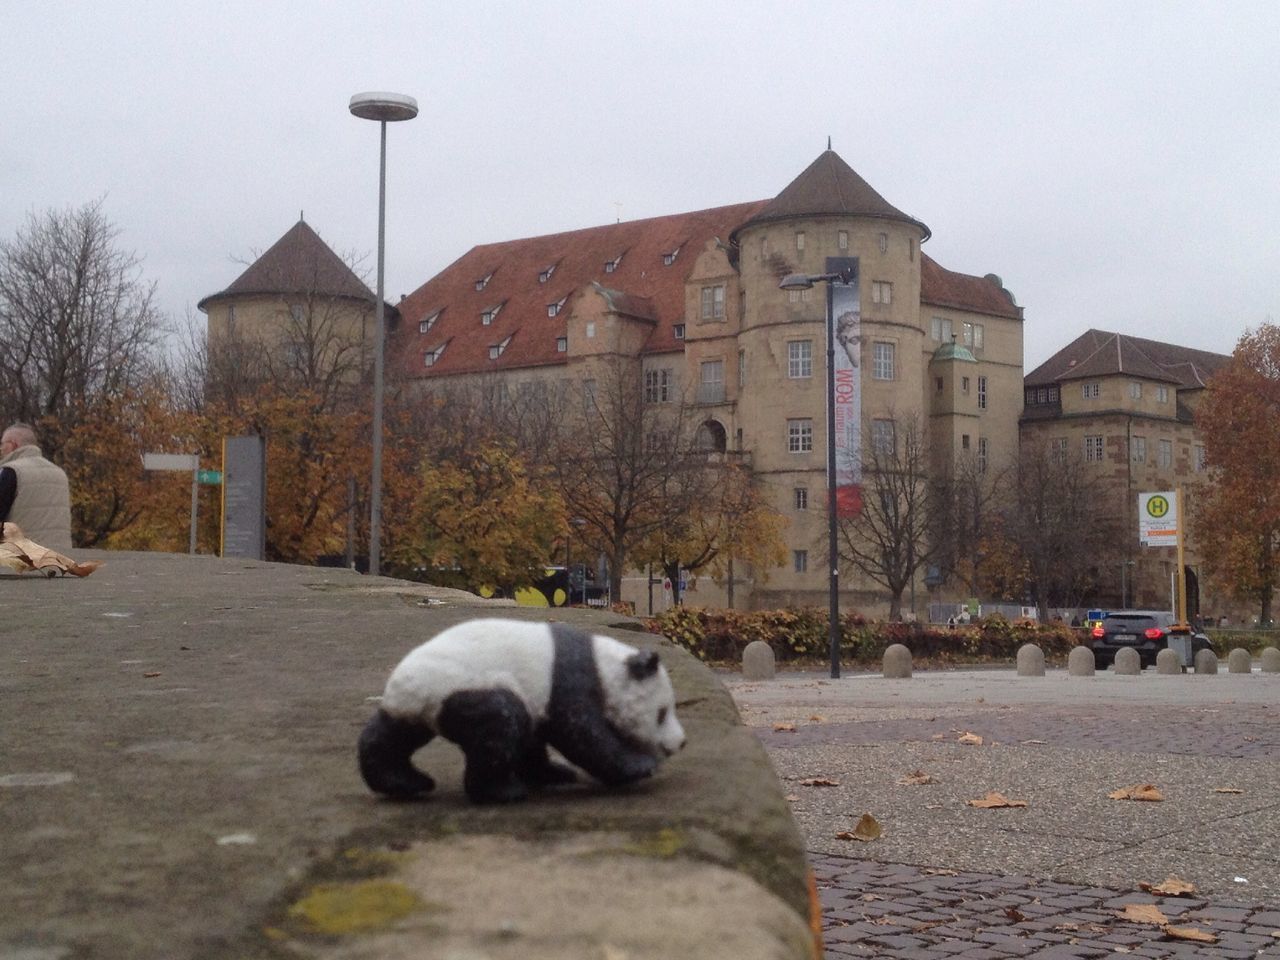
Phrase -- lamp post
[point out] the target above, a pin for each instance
(843, 270)
(385, 108)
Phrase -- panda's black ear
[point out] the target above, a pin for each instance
(641, 665)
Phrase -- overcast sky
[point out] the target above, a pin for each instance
(1118, 164)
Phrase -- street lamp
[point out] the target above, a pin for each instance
(842, 270)
(385, 108)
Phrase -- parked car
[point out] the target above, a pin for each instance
(1146, 631)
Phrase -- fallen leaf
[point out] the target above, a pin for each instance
(917, 779)
(784, 727)
(1190, 933)
(1143, 913)
(1015, 915)
(994, 800)
(982, 699)
(866, 829)
(819, 782)
(152, 673)
(938, 736)
(817, 719)
(1038, 743)
(791, 798)
(940, 872)
(1172, 887)
(875, 896)
(1227, 790)
(1139, 791)
(971, 739)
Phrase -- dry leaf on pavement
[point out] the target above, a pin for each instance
(1139, 791)
(1143, 913)
(817, 719)
(994, 801)
(916, 779)
(784, 727)
(970, 738)
(792, 798)
(1190, 933)
(819, 782)
(1172, 887)
(1028, 743)
(1227, 790)
(866, 829)
(1015, 915)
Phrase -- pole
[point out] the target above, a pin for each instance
(833, 553)
(1180, 581)
(195, 504)
(375, 493)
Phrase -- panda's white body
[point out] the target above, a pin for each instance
(505, 689)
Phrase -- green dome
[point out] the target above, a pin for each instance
(953, 351)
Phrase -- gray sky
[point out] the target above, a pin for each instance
(1116, 163)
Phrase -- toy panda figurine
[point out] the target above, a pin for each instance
(503, 690)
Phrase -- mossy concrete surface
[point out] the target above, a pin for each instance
(177, 779)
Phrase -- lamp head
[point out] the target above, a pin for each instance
(384, 106)
(796, 281)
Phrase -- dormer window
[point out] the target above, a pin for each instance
(495, 350)
(427, 322)
(612, 265)
(670, 257)
(555, 308)
(431, 356)
(545, 275)
(487, 317)
(484, 281)
(678, 331)
(562, 344)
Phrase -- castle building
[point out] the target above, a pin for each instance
(1124, 408)
(695, 299)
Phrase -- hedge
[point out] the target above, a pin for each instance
(801, 635)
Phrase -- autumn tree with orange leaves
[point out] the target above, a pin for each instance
(1236, 515)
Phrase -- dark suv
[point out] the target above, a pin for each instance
(1146, 631)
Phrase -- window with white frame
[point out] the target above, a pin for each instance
(1093, 448)
(1138, 449)
(677, 331)
(555, 308)
(842, 239)
(982, 393)
(488, 316)
(591, 329)
(431, 357)
(799, 359)
(800, 498)
(1135, 390)
(1091, 391)
(496, 350)
(940, 327)
(669, 257)
(612, 265)
(882, 361)
(546, 273)
(484, 281)
(1058, 450)
(657, 385)
(713, 302)
(429, 321)
(711, 381)
(1162, 394)
(562, 344)
(1201, 464)
(1164, 454)
(801, 560)
(982, 454)
(974, 335)
(881, 291)
(799, 239)
(883, 438)
(884, 243)
(799, 436)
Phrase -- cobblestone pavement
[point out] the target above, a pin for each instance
(875, 909)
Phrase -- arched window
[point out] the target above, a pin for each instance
(711, 437)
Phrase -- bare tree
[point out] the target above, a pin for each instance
(967, 499)
(888, 540)
(77, 319)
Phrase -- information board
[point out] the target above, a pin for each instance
(244, 497)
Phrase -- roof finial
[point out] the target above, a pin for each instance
(301, 218)
(828, 141)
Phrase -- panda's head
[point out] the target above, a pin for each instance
(638, 698)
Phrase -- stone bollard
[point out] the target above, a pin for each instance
(1271, 660)
(1239, 661)
(1128, 662)
(1168, 661)
(757, 661)
(1206, 662)
(897, 662)
(1080, 662)
(1030, 661)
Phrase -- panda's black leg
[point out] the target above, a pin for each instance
(538, 769)
(590, 743)
(386, 747)
(495, 732)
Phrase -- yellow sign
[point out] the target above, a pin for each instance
(1157, 505)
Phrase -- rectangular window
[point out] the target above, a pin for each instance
(982, 454)
(1200, 462)
(1164, 454)
(884, 243)
(562, 344)
(799, 436)
(711, 381)
(801, 495)
(974, 335)
(883, 438)
(488, 316)
(1135, 390)
(842, 239)
(1138, 449)
(799, 239)
(657, 385)
(801, 558)
(742, 369)
(677, 331)
(964, 441)
(591, 329)
(881, 292)
(1091, 391)
(941, 329)
(1058, 450)
(937, 381)
(1162, 394)
(882, 361)
(799, 359)
(964, 385)
(545, 275)
(1093, 448)
(713, 302)
(982, 393)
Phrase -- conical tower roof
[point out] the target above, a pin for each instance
(829, 187)
(298, 263)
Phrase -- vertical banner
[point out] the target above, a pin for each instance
(244, 497)
(845, 313)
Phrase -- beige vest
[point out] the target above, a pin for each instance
(42, 507)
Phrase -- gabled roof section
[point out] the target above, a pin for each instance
(641, 285)
(941, 287)
(298, 263)
(1099, 353)
(829, 187)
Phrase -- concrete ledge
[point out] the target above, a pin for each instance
(177, 738)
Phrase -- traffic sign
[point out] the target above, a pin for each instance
(1158, 519)
(211, 476)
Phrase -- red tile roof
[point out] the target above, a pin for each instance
(941, 287)
(1099, 353)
